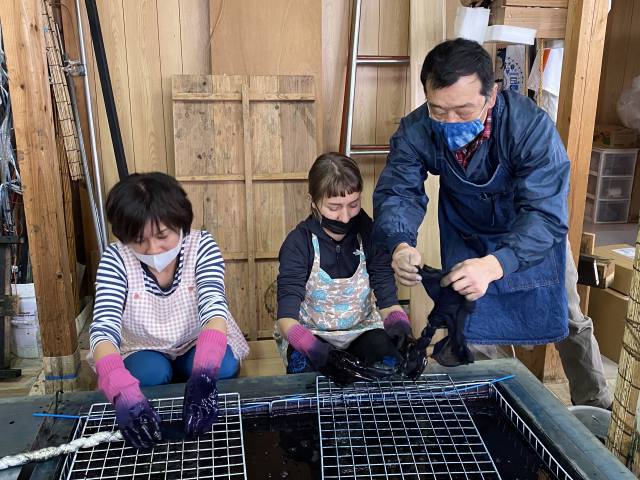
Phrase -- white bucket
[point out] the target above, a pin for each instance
(26, 294)
(25, 336)
(594, 418)
(25, 331)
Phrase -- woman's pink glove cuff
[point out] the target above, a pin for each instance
(210, 349)
(301, 339)
(115, 380)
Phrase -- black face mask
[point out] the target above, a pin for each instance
(338, 227)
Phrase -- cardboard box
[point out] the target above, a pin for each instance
(623, 265)
(614, 136)
(608, 310)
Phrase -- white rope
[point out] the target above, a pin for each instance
(50, 452)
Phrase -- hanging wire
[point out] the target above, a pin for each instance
(10, 182)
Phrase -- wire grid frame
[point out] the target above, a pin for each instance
(399, 429)
(534, 441)
(219, 454)
(59, 85)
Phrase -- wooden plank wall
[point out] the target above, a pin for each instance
(620, 65)
(244, 145)
(382, 93)
(278, 37)
(146, 43)
(149, 41)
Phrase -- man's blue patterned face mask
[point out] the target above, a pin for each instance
(459, 134)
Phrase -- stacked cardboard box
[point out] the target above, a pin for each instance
(608, 307)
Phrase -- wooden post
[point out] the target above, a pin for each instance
(583, 47)
(22, 23)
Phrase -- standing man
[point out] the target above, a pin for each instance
(503, 212)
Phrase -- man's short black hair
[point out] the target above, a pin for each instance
(143, 197)
(448, 61)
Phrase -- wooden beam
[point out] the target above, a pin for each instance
(584, 44)
(548, 22)
(22, 22)
(237, 97)
(251, 227)
(238, 177)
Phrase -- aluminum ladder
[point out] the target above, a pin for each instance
(355, 60)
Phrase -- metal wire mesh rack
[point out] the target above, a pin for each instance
(399, 430)
(219, 454)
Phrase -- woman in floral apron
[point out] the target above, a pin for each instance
(338, 309)
(160, 311)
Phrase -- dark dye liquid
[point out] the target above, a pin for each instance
(289, 446)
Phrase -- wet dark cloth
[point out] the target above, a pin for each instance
(373, 346)
(337, 259)
(450, 311)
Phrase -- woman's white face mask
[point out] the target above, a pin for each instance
(157, 241)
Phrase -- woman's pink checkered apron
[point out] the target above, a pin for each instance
(338, 310)
(171, 324)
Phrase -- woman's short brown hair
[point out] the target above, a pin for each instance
(333, 175)
(147, 197)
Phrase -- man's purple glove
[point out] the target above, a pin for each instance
(200, 408)
(136, 418)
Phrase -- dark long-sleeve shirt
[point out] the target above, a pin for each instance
(338, 259)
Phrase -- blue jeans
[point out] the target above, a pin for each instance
(154, 368)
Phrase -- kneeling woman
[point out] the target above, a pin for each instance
(330, 270)
(160, 312)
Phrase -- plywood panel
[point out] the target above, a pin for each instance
(252, 199)
(297, 124)
(267, 272)
(427, 29)
(266, 146)
(145, 85)
(236, 287)
(113, 31)
(279, 37)
(194, 36)
(269, 38)
(336, 19)
(196, 194)
(170, 48)
(225, 215)
(146, 43)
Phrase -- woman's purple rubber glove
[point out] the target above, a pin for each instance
(136, 418)
(200, 408)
